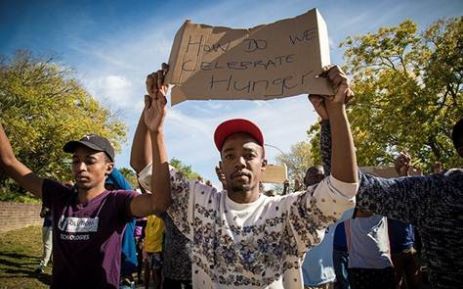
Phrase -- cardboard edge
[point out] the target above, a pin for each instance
(174, 69)
(324, 46)
(324, 42)
(177, 95)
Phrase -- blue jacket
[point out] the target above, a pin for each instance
(129, 261)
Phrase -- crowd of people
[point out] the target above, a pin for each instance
(342, 228)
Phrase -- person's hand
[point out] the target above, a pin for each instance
(155, 102)
(340, 83)
(402, 164)
(318, 102)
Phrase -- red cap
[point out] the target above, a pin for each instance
(237, 125)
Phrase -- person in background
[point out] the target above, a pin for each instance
(176, 250)
(140, 225)
(314, 175)
(404, 257)
(433, 204)
(402, 238)
(341, 257)
(369, 251)
(340, 251)
(176, 255)
(47, 239)
(152, 250)
(317, 268)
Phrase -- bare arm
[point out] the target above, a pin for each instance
(141, 154)
(17, 170)
(153, 132)
(343, 159)
(318, 103)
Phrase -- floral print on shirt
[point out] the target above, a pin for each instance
(255, 245)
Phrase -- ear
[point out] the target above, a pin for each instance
(109, 168)
(264, 164)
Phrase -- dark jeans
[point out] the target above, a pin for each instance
(360, 278)
(176, 284)
(340, 259)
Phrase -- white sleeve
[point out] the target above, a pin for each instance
(312, 211)
(181, 208)
(333, 196)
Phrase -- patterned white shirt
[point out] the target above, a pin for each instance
(254, 245)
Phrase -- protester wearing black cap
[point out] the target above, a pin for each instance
(88, 220)
(94, 142)
(242, 238)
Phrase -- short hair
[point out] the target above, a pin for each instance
(457, 134)
(314, 170)
(107, 158)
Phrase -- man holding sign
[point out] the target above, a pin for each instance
(242, 238)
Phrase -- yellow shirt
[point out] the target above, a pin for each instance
(154, 232)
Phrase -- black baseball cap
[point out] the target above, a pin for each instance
(94, 142)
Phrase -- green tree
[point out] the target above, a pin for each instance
(298, 160)
(185, 169)
(408, 87)
(130, 176)
(42, 107)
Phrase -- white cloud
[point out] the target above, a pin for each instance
(115, 91)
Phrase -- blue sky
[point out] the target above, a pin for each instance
(113, 45)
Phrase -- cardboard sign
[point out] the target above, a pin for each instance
(386, 172)
(276, 174)
(264, 62)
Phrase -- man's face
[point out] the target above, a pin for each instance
(242, 163)
(89, 167)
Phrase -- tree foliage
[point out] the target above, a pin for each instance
(408, 92)
(185, 169)
(298, 160)
(130, 176)
(42, 107)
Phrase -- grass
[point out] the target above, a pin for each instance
(20, 252)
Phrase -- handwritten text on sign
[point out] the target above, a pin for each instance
(265, 62)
